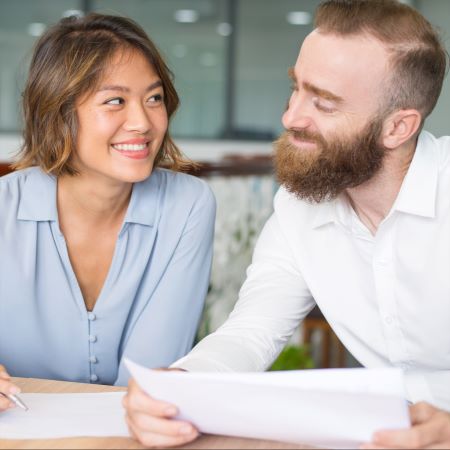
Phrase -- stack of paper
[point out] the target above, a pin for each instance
(339, 408)
(65, 415)
(329, 408)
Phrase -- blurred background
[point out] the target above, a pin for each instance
(230, 61)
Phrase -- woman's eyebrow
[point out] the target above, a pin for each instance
(111, 87)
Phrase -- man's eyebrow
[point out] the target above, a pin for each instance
(327, 95)
(111, 87)
(291, 75)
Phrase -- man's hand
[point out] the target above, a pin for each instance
(6, 387)
(151, 421)
(430, 429)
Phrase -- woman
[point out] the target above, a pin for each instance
(102, 253)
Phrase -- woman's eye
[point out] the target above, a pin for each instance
(115, 101)
(157, 98)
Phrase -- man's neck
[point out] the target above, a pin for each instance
(373, 200)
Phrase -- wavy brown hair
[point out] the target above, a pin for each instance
(68, 62)
(418, 58)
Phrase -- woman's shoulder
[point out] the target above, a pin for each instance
(12, 184)
(24, 192)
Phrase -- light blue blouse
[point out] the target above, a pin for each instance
(152, 299)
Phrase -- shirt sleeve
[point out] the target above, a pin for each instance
(431, 387)
(179, 297)
(272, 302)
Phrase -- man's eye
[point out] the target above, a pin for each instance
(115, 101)
(323, 107)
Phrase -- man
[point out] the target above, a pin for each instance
(361, 223)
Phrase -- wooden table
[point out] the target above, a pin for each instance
(50, 386)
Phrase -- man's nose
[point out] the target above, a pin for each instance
(296, 114)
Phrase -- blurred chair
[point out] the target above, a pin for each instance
(4, 169)
(330, 347)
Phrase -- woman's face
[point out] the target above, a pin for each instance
(123, 122)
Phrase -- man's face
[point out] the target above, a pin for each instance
(333, 120)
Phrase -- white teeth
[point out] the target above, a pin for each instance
(130, 147)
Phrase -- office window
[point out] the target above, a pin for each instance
(269, 39)
(21, 22)
(192, 36)
(229, 57)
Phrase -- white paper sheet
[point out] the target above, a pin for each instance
(65, 415)
(336, 408)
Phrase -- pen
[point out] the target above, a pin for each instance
(15, 399)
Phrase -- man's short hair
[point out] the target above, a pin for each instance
(418, 58)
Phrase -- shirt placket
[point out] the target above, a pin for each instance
(91, 317)
(93, 343)
(384, 279)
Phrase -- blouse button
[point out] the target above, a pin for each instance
(92, 316)
(92, 338)
(94, 377)
(93, 359)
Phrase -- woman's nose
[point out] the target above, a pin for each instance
(138, 119)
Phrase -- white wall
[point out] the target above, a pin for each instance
(438, 13)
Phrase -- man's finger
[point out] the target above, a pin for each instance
(419, 436)
(137, 400)
(421, 412)
(155, 440)
(161, 426)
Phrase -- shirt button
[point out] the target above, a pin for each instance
(92, 316)
(93, 359)
(92, 338)
(94, 377)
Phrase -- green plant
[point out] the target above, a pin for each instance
(293, 357)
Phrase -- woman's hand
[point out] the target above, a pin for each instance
(151, 421)
(430, 429)
(6, 387)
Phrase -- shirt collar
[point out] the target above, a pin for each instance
(144, 202)
(417, 194)
(325, 213)
(38, 200)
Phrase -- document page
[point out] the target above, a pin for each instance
(65, 415)
(334, 408)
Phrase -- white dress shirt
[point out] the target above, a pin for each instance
(387, 296)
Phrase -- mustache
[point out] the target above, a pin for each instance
(305, 135)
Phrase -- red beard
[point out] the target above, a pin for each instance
(335, 165)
